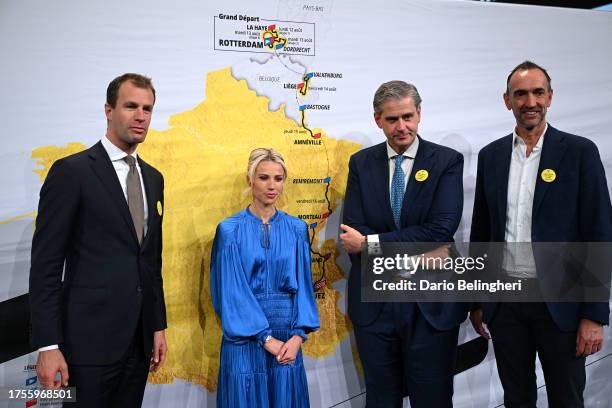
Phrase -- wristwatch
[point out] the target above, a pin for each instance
(267, 339)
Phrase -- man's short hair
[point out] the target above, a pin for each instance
(395, 90)
(139, 81)
(524, 66)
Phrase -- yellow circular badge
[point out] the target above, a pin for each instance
(421, 175)
(160, 210)
(548, 175)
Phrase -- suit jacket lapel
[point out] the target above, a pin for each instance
(553, 148)
(423, 161)
(501, 161)
(147, 179)
(103, 168)
(380, 172)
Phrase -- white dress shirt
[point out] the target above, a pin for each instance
(122, 168)
(518, 259)
(407, 164)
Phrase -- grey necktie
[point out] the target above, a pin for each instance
(135, 201)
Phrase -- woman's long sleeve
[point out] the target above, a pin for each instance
(307, 313)
(241, 316)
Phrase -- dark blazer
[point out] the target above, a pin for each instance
(431, 212)
(575, 207)
(110, 281)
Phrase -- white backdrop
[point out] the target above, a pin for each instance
(58, 57)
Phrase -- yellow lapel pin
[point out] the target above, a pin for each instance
(548, 175)
(421, 175)
(160, 210)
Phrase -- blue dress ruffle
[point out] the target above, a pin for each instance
(261, 285)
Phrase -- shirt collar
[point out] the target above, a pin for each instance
(410, 152)
(518, 141)
(114, 152)
(255, 218)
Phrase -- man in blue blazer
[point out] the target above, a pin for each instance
(539, 184)
(403, 190)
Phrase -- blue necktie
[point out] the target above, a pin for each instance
(397, 190)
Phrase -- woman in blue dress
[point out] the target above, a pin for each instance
(261, 286)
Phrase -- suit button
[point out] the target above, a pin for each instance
(139, 289)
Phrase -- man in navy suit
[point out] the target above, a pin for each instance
(96, 290)
(403, 190)
(539, 184)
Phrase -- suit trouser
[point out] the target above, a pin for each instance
(403, 354)
(519, 330)
(117, 385)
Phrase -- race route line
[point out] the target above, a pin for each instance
(273, 40)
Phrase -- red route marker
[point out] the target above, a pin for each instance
(272, 27)
(300, 86)
(317, 136)
(319, 284)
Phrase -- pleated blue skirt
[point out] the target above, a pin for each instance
(250, 377)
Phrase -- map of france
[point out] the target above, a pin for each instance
(203, 157)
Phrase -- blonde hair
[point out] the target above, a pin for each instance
(262, 154)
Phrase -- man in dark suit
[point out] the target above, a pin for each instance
(96, 292)
(539, 184)
(403, 190)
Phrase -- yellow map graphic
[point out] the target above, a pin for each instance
(203, 157)
(45, 156)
